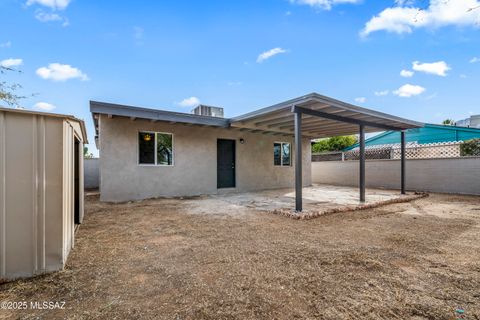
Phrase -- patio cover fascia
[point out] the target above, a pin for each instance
(322, 117)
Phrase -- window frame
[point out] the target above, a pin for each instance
(281, 154)
(155, 150)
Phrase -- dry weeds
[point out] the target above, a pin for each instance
(153, 260)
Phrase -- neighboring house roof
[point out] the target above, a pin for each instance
(322, 116)
(54, 115)
(428, 134)
(472, 122)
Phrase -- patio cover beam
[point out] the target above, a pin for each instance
(298, 161)
(342, 119)
(362, 163)
(402, 161)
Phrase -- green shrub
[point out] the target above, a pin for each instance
(470, 148)
(333, 144)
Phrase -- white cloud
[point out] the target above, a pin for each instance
(189, 102)
(44, 106)
(323, 4)
(404, 2)
(406, 73)
(381, 93)
(409, 90)
(360, 100)
(438, 68)
(7, 44)
(50, 17)
(430, 97)
(61, 72)
(474, 60)
(9, 63)
(53, 4)
(47, 17)
(405, 17)
(270, 53)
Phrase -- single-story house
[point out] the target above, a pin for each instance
(147, 153)
(472, 122)
(41, 190)
(426, 135)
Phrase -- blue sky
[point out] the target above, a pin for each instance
(172, 54)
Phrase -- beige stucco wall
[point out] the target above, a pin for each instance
(195, 161)
(36, 232)
(449, 175)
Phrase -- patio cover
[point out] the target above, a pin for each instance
(322, 117)
(317, 116)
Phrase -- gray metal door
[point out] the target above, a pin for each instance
(225, 163)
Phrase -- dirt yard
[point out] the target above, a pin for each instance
(160, 259)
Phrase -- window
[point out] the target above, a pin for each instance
(146, 148)
(281, 154)
(155, 148)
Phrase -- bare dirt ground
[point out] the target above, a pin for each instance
(155, 260)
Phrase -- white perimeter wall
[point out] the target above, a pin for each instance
(453, 175)
(91, 173)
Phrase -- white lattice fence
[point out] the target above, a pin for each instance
(413, 151)
(451, 150)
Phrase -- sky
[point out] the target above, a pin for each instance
(415, 59)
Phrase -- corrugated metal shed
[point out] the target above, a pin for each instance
(41, 190)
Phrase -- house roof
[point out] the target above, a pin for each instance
(322, 117)
(119, 110)
(430, 133)
(54, 115)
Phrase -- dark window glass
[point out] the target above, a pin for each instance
(146, 148)
(164, 149)
(277, 155)
(285, 154)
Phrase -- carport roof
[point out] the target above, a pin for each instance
(321, 117)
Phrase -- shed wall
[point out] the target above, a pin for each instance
(195, 161)
(32, 192)
(30, 151)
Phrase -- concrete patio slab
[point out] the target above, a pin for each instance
(317, 199)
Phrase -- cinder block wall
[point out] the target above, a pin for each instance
(195, 161)
(453, 175)
(91, 173)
